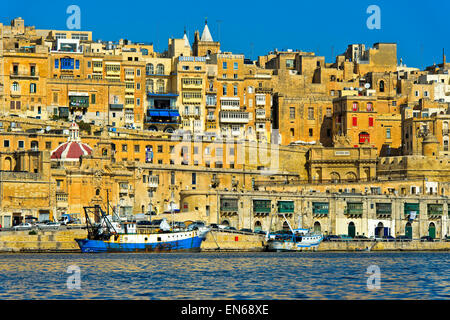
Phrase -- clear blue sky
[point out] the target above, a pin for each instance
(420, 28)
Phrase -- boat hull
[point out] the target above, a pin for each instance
(287, 245)
(140, 243)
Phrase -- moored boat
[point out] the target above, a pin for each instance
(123, 236)
(298, 240)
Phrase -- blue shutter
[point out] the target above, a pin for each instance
(77, 64)
(56, 63)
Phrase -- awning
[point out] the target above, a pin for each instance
(174, 113)
(164, 113)
(154, 114)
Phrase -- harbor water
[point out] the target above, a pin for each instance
(305, 275)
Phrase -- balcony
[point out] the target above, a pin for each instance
(153, 182)
(191, 114)
(234, 117)
(210, 117)
(261, 207)
(162, 116)
(445, 132)
(384, 210)
(263, 90)
(320, 208)
(435, 210)
(24, 75)
(230, 103)
(285, 206)
(61, 199)
(229, 205)
(411, 209)
(354, 209)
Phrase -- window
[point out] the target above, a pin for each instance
(160, 148)
(235, 90)
(311, 132)
(55, 97)
(310, 113)
(250, 89)
(224, 65)
(160, 69)
(417, 93)
(138, 101)
(425, 93)
(138, 86)
(224, 90)
(235, 76)
(77, 64)
(381, 86)
(363, 137)
(124, 147)
(388, 133)
(15, 86)
(369, 106)
(355, 106)
(194, 178)
(235, 66)
(149, 69)
(292, 132)
(370, 122)
(56, 63)
(136, 148)
(32, 87)
(289, 63)
(197, 68)
(6, 143)
(185, 68)
(48, 144)
(354, 121)
(292, 113)
(138, 72)
(93, 98)
(20, 144)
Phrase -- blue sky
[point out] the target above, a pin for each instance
(420, 28)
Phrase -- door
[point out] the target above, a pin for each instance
(351, 229)
(432, 230)
(408, 230)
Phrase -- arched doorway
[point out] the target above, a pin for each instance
(408, 230)
(432, 230)
(351, 229)
(8, 164)
(225, 223)
(379, 230)
(317, 227)
(258, 226)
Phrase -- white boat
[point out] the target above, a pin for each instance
(298, 240)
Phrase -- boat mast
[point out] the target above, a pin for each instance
(292, 230)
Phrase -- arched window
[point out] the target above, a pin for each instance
(258, 226)
(351, 176)
(335, 177)
(8, 164)
(381, 86)
(149, 86)
(160, 86)
(15, 86)
(225, 223)
(149, 69)
(160, 69)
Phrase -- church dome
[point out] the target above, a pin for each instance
(73, 149)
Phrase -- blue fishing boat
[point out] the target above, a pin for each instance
(107, 235)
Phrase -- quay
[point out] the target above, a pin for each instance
(62, 241)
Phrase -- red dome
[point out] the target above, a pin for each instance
(73, 149)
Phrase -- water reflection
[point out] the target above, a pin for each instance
(317, 275)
